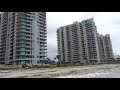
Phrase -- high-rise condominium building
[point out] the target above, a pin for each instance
(0, 26)
(78, 42)
(105, 47)
(23, 38)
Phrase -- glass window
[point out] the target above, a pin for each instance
(32, 48)
(32, 52)
(32, 56)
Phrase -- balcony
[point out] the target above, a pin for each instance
(28, 38)
(42, 51)
(28, 50)
(43, 32)
(42, 17)
(27, 34)
(43, 48)
(3, 31)
(20, 49)
(42, 23)
(3, 34)
(5, 18)
(45, 45)
(28, 42)
(19, 26)
(28, 46)
(20, 30)
(20, 42)
(3, 38)
(20, 45)
(28, 27)
(3, 44)
(20, 34)
(42, 55)
(28, 54)
(42, 37)
(28, 17)
(19, 20)
(20, 54)
(28, 21)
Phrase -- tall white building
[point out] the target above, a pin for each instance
(80, 42)
(105, 47)
(23, 38)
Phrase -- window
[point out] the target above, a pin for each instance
(32, 56)
(27, 52)
(23, 53)
(38, 38)
(32, 52)
(32, 17)
(32, 41)
(23, 57)
(32, 48)
(27, 48)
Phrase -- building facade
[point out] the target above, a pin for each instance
(23, 38)
(105, 47)
(0, 26)
(78, 42)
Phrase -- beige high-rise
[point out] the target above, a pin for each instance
(78, 42)
(105, 47)
(23, 38)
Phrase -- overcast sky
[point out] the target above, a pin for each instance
(106, 22)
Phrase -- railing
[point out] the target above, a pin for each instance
(21, 45)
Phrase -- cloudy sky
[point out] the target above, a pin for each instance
(106, 22)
